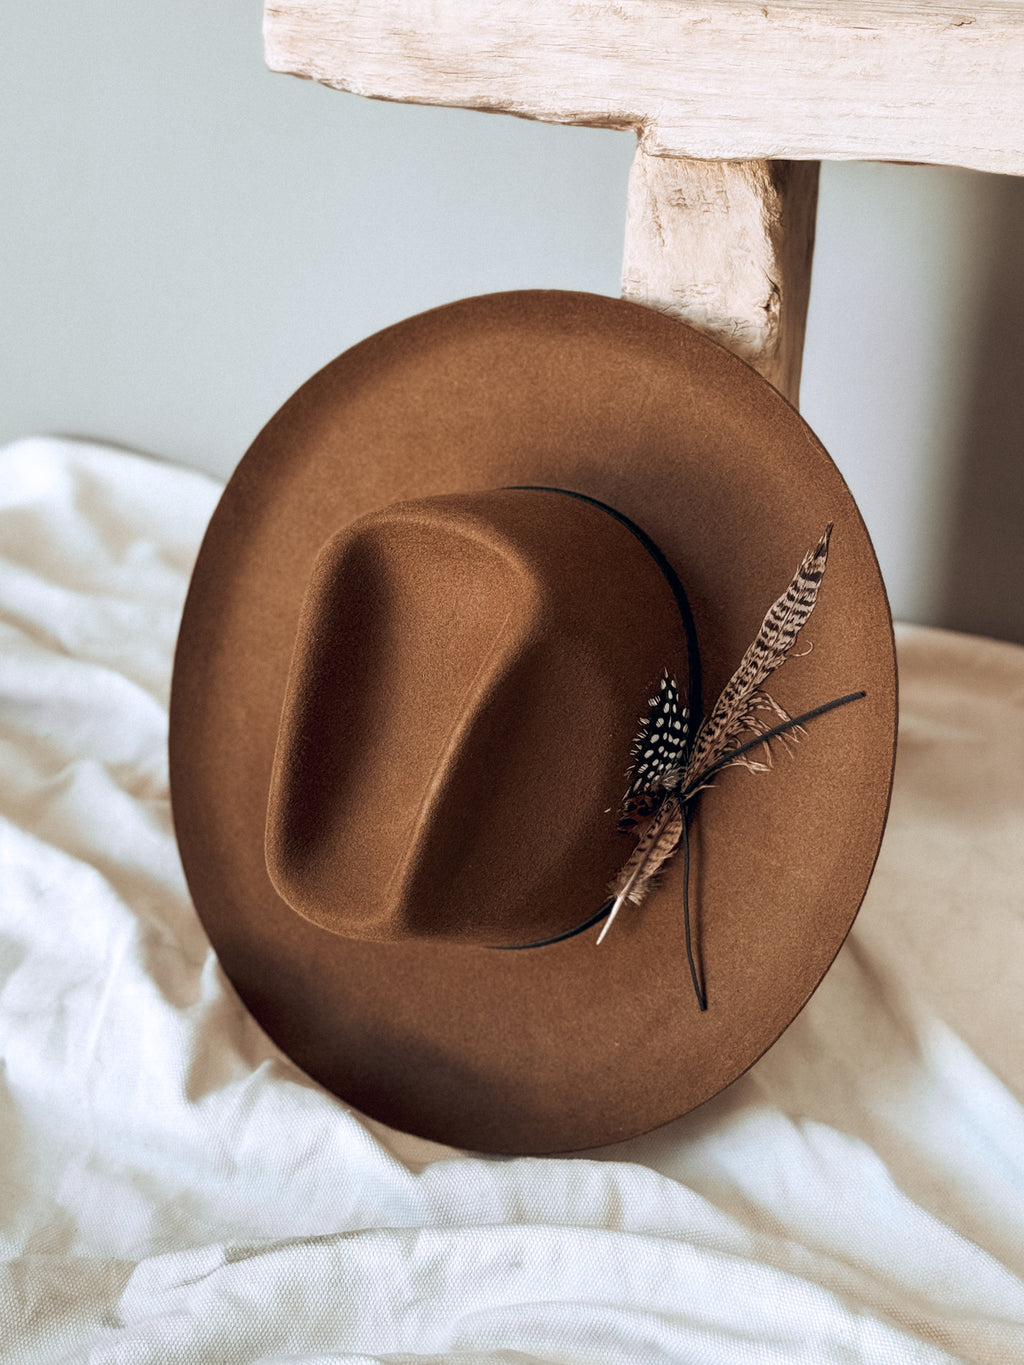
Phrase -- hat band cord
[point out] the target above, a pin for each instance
(686, 796)
(670, 576)
(694, 687)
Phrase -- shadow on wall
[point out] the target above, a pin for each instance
(983, 588)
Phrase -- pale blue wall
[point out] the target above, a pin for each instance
(187, 237)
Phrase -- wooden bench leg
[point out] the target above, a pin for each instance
(727, 247)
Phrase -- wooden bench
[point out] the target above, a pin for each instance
(734, 104)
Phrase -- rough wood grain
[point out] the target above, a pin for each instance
(727, 247)
(902, 80)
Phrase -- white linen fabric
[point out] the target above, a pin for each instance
(173, 1189)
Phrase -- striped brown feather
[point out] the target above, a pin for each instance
(741, 698)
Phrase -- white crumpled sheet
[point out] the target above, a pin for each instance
(174, 1190)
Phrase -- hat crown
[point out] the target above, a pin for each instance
(468, 674)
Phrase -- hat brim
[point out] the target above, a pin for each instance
(571, 1046)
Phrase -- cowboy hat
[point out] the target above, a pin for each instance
(445, 600)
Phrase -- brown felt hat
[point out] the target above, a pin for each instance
(423, 629)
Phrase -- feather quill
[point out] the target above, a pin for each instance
(736, 713)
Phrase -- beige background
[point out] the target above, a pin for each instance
(187, 237)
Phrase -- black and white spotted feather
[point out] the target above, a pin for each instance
(659, 754)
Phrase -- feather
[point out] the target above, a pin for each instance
(658, 754)
(664, 778)
(656, 843)
(736, 712)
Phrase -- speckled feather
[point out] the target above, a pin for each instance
(659, 752)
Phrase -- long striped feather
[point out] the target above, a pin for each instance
(734, 716)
